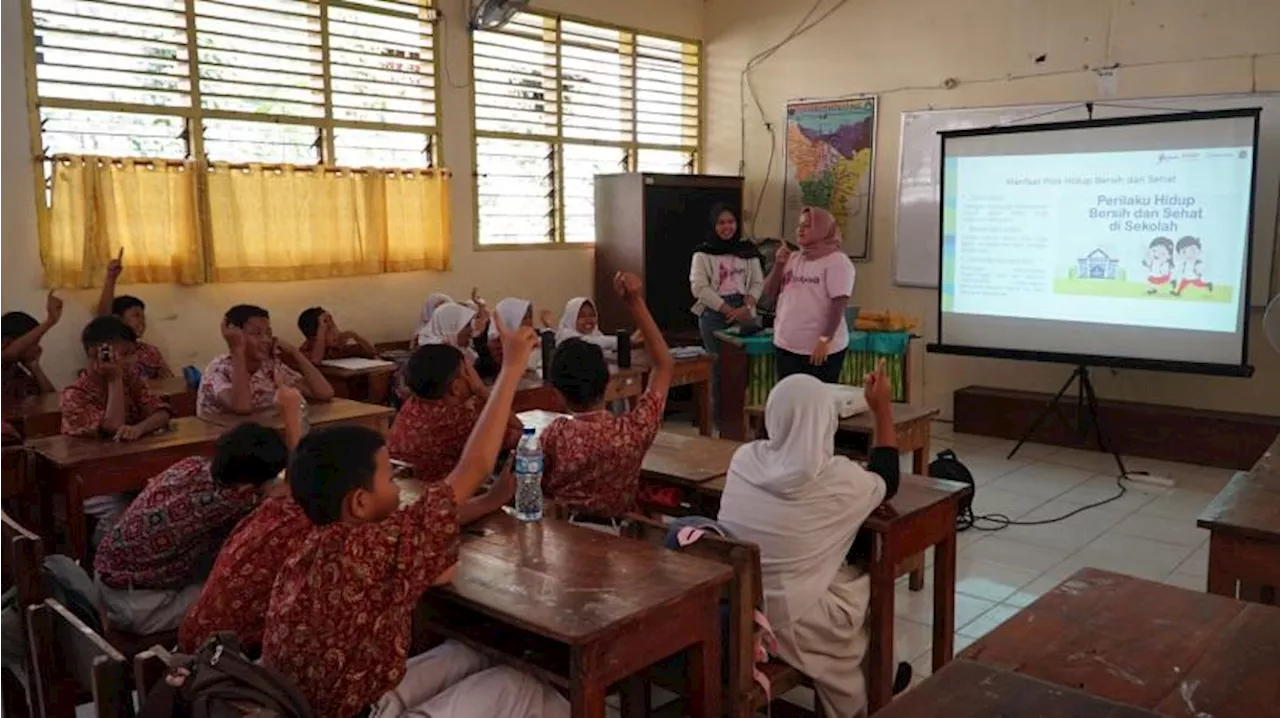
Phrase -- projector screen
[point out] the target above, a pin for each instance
(1120, 242)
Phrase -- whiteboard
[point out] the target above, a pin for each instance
(915, 256)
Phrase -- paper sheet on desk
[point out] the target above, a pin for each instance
(356, 363)
(539, 419)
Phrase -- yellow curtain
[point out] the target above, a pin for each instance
(100, 205)
(281, 223)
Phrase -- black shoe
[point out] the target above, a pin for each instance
(902, 679)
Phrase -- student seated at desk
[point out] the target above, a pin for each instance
(234, 598)
(445, 400)
(515, 312)
(131, 310)
(791, 495)
(244, 380)
(153, 561)
(579, 321)
(593, 460)
(325, 341)
(429, 307)
(23, 376)
(339, 620)
(110, 399)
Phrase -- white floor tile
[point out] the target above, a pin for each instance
(1197, 564)
(1135, 556)
(1093, 461)
(1008, 503)
(986, 467)
(998, 549)
(911, 640)
(1158, 528)
(1041, 480)
(1030, 451)
(985, 623)
(991, 581)
(1069, 533)
(1178, 503)
(1103, 486)
(917, 606)
(1186, 580)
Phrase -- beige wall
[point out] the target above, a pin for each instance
(904, 50)
(184, 321)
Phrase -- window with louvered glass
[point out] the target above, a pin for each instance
(597, 100)
(346, 82)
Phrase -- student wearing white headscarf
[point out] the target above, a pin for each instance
(580, 321)
(434, 301)
(450, 324)
(515, 312)
(791, 495)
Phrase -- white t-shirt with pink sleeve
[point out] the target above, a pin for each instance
(808, 286)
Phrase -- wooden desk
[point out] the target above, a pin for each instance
(1145, 644)
(1244, 533)
(965, 689)
(41, 415)
(338, 411)
(696, 373)
(371, 385)
(912, 423)
(582, 609)
(684, 460)
(80, 468)
(920, 515)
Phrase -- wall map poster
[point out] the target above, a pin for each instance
(830, 144)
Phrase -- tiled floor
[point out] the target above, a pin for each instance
(1149, 532)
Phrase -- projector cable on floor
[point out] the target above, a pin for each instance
(1001, 521)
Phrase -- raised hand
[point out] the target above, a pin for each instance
(878, 389)
(628, 286)
(517, 344)
(52, 309)
(234, 336)
(116, 266)
(781, 256)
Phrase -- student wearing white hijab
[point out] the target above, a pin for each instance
(515, 312)
(791, 495)
(450, 324)
(429, 307)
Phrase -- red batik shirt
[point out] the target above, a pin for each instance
(84, 403)
(150, 363)
(19, 383)
(431, 433)
(235, 596)
(170, 534)
(592, 462)
(339, 620)
(262, 385)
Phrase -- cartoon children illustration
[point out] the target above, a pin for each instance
(1159, 263)
(1190, 266)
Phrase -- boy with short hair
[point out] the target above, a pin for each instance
(244, 380)
(339, 618)
(110, 400)
(234, 598)
(592, 461)
(132, 311)
(323, 339)
(23, 376)
(444, 403)
(153, 561)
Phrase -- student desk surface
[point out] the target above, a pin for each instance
(369, 384)
(1244, 532)
(582, 609)
(920, 515)
(1157, 647)
(687, 460)
(964, 689)
(319, 413)
(80, 468)
(41, 415)
(912, 423)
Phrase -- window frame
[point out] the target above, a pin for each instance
(194, 115)
(558, 142)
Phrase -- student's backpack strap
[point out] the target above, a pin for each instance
(219, 681)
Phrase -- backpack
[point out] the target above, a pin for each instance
(947, 466)
(220, 681)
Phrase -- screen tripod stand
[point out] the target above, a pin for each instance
(1086, 416)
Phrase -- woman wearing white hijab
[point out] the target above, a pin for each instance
(803, 505)
(429, 307)
(515, 313)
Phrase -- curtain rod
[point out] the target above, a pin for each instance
(243, 165)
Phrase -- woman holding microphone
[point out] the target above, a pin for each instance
(813, 288)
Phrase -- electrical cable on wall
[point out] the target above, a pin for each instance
(444, 54)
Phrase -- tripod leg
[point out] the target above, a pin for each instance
(1048, 409)
(1092, 398)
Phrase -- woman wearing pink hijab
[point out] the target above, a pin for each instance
(813, 287)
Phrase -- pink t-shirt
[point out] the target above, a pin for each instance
(808, 286)
(731, 274)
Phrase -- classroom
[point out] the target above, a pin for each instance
(778, 424)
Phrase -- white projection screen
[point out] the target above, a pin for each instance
(1120, 242)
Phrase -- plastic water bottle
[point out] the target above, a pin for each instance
(528, 470)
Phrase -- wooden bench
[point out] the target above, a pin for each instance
(22, 554)
(71, 659)
(1244, 533)
(743, 696)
